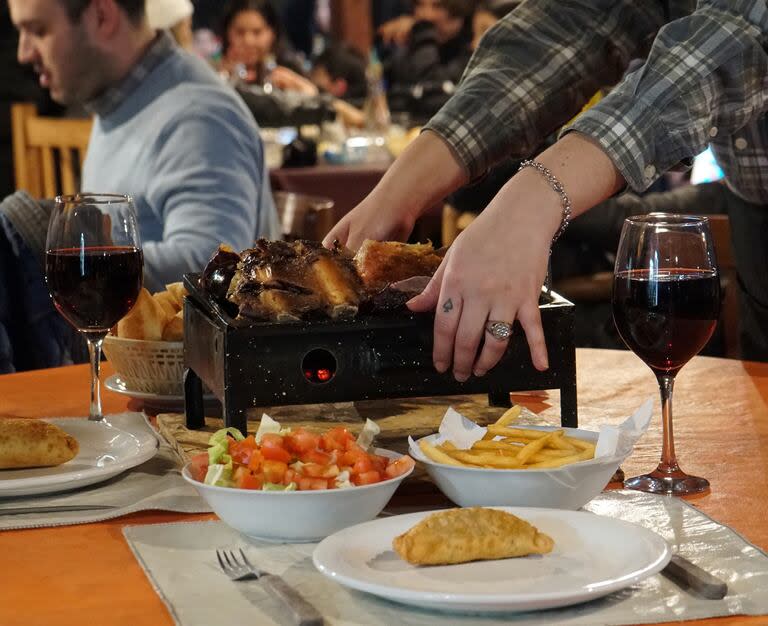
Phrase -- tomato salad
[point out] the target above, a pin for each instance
(277, 459)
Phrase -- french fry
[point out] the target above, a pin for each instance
(495, 445)
(447, 445)
(437, 455)
(532, 448)
(574, 458)
(509, 416)
(489, 459)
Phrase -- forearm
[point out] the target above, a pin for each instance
(704, 80)
(424, 174)
(535, 69)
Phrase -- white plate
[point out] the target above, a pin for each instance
(105, 451)
(116, 384)
(593, 556)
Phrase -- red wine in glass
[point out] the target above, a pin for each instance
(666, 302)
(94, 268)
(666, 318)
(93, 288)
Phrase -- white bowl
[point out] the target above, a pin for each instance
(297, 516)
(568, 487)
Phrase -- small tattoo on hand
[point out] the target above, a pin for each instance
(448, 306)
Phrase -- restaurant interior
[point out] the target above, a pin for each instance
(333, 312)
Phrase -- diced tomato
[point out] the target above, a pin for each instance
(301, 441)
(316, 456)
(379, 462)
(241, 451)
(401, 466)
(198, 466)
(367, 478)
(352, 454)
(256, 461)
(337, 439)
(312, 469)
(276, 453)
(362, 465)
(245, 480)
(274, 471)
(307, 483)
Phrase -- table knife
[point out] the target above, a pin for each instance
(691, 577)
(63, 508)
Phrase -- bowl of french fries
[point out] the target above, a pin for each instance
(146, 348)
(516, 465)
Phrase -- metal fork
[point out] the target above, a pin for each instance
(304, 614)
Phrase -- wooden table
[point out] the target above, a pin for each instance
(78, 574)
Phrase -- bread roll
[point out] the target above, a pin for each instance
(166, 300)
(34, 443)
(174, 330)
(146, 320)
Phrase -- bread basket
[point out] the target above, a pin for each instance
(148, 366)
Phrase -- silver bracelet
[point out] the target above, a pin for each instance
(558, 188)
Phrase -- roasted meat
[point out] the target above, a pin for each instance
(382, 263)
(284, 281)
(287, 281)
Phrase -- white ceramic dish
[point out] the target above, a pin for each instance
(593, 556)
(105, 451)
(117, 384)
(568, 487)
(297, 516)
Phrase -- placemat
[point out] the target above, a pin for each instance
(156, 484)
(179, 560)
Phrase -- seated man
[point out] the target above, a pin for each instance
(166, 131)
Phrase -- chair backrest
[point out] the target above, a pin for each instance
(48, 152)
(720, 227)
(302, 216)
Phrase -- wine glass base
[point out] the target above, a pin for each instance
(674, 484)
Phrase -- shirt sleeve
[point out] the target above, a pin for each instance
(705, 76)
(535, 69)
(208, 174)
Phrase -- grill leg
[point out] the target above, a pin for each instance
(193, 400)
(237, 418)
(499, 398)
(568, 413)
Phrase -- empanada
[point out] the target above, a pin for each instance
(473, 534)
(34, 443)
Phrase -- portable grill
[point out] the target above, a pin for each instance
(248, 365)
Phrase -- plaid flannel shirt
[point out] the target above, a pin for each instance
(704, 81)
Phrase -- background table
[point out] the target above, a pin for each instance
(64, 576)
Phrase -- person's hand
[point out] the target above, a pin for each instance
(402, 194)
(396, 31)
(288, 80)
(371, 219)
(493, 272)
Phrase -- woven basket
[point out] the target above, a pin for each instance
(148, 366)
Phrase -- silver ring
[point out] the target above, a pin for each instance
(500, 331)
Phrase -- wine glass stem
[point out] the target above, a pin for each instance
(668, 462)
(94, 349)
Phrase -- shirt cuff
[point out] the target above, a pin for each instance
(634, 137)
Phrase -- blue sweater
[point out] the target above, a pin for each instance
(187, 149)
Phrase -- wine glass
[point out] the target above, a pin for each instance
(94, 268)
(666, 301)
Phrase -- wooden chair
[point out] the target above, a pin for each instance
(48, 153)
(729, 314)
